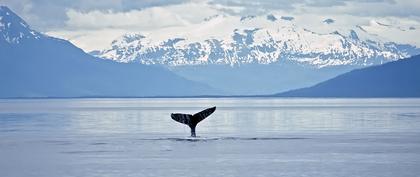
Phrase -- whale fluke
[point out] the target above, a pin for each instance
(192, 120)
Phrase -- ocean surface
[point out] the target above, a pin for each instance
(244, 137)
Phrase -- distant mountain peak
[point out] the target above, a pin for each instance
(287, 18)
(271, 17)
(13, 28)
(328, 21)
(249, 17)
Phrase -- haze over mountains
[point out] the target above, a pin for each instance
(35, 65)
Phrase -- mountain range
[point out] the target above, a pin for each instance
(36, 65)
(259, 54)
(235, 41)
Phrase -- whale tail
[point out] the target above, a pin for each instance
(192, 120)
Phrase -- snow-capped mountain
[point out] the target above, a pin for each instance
(232, 40)
(36, 65)
(13, 29)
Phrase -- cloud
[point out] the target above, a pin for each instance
(132, 19)
(366, 8)
(374, 8)
(90, 40)
(45, 15)
(145, 19)
(252, 7)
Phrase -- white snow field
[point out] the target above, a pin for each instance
(244, 137)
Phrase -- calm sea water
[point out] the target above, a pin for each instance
(244, 137)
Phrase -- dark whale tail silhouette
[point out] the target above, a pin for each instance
(192, 120)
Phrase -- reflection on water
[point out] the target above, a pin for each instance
(233, 116)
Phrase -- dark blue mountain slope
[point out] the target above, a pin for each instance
(395, 79)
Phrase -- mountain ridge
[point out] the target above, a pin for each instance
(394, 79)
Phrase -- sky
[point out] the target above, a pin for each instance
(92, 24)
